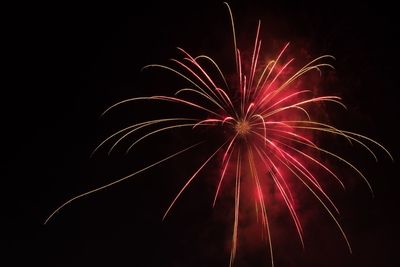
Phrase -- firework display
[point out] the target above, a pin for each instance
(266, 116)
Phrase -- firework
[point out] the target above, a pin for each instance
(269, 130)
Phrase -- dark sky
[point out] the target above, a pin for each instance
(65, 63)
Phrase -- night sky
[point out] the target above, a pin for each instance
(66, 63)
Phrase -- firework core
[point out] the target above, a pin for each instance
(242, 127)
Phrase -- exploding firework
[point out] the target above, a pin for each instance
(269, 133)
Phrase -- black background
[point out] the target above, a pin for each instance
(65, 63)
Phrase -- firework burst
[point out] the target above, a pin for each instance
(268, 125)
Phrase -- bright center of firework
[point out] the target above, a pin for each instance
(242, 127)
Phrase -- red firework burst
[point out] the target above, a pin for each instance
(268, 120)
